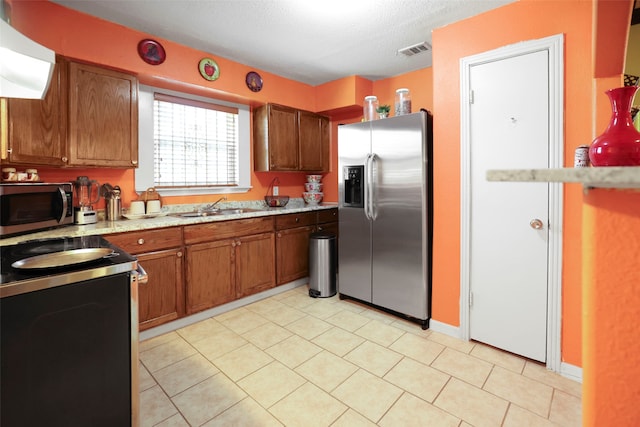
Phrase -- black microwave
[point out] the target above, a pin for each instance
(28, 207)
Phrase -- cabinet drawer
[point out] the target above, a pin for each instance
(226, 229)
(328, 215)
(136, 242)
(295, 220)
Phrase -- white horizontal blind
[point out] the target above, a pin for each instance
(195, 143)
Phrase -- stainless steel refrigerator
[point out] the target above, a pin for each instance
(385, 204)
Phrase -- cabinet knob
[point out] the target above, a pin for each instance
(238, 243)
(64, 159)
(297, 219)
(320, 228)
(279, 235)
(179, 254)
(233, 244)
(141, 241)
(134, 162)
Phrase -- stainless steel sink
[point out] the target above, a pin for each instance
(216, 212)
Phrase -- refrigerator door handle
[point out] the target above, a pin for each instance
(370, 185)
(367, 185)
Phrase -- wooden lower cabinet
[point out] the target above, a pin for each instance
(328, 221)
(197, 267)
(255, 264)
(228, 260)
(161, 299)
(292, 249)
(160, 253)
(209, 275)
(292, 245)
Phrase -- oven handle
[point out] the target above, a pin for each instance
(143, 277)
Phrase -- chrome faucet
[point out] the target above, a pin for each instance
(212, 206)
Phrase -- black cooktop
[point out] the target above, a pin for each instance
(10, 254)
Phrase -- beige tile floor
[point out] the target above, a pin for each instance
(297, 361)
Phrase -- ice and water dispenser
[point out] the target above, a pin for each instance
(353, 186)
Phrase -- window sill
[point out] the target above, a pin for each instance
(593, 177)
(198, 191)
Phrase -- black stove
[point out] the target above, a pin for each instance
(68, 334)
(14, 280)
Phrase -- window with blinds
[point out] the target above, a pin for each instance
(195, 143)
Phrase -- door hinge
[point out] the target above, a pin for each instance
(470, 299)
(471, 96)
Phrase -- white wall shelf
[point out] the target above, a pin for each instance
(592, 177)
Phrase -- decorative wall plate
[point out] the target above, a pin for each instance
(151, 52)
(209, 69)
(254, 81)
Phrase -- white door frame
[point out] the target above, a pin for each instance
(555, 46)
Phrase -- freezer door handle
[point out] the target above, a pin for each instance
(367, 186)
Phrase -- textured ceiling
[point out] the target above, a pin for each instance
(311, 41)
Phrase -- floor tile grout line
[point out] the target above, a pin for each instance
(366, 339)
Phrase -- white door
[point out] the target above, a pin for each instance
(509, 119)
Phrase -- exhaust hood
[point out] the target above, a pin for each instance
(26, 67)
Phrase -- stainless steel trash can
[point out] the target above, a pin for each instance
(323, 260)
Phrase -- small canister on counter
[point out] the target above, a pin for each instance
(32, 175)
(581, 158)
(9, 174)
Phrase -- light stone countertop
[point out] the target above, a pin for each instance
(599, 177)
(125, 225)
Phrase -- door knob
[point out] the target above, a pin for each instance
(536, 223)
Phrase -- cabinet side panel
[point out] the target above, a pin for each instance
(37, 128)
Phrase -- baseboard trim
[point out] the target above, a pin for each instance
(203, 315)
(443, 328)
(571, 371)
(566, 370)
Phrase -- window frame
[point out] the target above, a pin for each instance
(144, 174)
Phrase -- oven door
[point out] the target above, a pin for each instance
(69, 354)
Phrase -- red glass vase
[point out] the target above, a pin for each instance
(619, 144)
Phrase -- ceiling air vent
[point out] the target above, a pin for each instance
(415, 49)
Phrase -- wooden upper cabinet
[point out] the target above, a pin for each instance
(37, 129)
(89, 117)
(286, 139)
(103, 117)
(313, 142)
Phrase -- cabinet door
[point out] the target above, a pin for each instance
(329, 227)
(37, 128)
(292, 254)
(162, 298)
(314, 142)
(283, 138)
(103, 117)
(210, 275)
(255, 264)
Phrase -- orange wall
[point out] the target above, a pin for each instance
(83, 37)
(516, 22)
(611, 220)
(611, 375)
